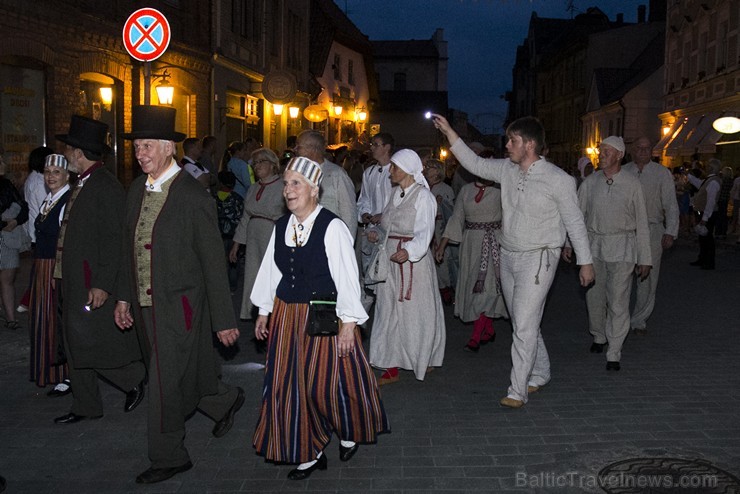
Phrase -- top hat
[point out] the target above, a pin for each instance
(86, 134)
(153, 122)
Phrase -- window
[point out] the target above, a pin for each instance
(294, 39)
(399, 81)
(351, 71)
(337, 67)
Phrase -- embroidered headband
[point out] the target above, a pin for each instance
(308, 168)
(57, 160)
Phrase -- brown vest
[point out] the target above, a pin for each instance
(700, 198)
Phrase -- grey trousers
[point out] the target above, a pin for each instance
(608, 303)
(526, 278)
(645, 290)
(167, 449)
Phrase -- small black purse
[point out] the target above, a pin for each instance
(322, 318)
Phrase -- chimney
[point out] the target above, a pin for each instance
(640, 14)
(620, 18)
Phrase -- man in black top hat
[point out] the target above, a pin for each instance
(87, 265)
(174, 285)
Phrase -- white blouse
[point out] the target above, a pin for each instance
(342, 266)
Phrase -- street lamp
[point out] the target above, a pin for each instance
(165, 91)
(727, 125)
(362, 114)
(293, 111)
(106, 96)
(337, 109)
(278, 109)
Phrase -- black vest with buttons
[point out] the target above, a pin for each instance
(305, 269)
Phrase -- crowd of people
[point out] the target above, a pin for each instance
(325, 238)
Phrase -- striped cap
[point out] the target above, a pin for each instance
(56, 160)
(308, 168)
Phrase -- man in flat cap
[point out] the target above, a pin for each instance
(174, 285)
(613, 207)
(87, 264)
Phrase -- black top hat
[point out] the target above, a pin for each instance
(154, 122)
(86, 134)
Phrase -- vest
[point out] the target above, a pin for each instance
(700, 198)
(305, 269)
(47, 229)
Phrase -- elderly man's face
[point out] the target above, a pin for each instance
(642, 151)
(154, 156)
(608, 157)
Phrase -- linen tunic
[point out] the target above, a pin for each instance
(445, 198)
(469, 305)
(338, 195)
(615, 218)
(409, 333)
(375, 190)
(539, 215)
(263, 205)
(659, 191)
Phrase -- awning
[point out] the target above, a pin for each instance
(675, 128)
(675, 146)
(698, 134)
(728, 139)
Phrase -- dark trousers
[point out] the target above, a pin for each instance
(85, 391)
(706, 244)
(167, 449)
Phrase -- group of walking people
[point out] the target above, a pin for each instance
(145, 270)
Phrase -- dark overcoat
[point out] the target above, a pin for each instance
(91, 258)
(190, 294)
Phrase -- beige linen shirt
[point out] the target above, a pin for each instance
(539, 206)
(660, 195)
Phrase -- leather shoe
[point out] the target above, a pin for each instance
(597, 347)
(224, 425)
(134, 397)
(511, 402)
(612, 366)
(640, 332)
(296, 474)
(72, 418)
(533, 389)
(56, 393)
(154, 475)
(345, 454)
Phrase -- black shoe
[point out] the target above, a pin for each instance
(597, 347)
(154, 475)
(224, 425)
(640, 331)
(134, 397)
(695, 263)
(72, 418)
(296, 474)
(612, 366)
(345, 454)
(56, 393)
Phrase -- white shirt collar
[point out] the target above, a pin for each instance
(156, 185)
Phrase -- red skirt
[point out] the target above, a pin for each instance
(45, 337)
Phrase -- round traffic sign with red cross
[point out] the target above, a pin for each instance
(146, 34)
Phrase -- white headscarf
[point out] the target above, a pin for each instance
(408, 161)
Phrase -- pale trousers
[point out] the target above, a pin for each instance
(608, 303)
(645, 290)
(526, 278)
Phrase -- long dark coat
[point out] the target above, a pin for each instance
(190, 294)
(91, 258)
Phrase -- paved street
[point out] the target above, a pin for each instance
(677, 395)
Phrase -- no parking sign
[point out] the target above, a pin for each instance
(146, 34)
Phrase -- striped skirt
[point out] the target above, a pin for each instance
(310, 392)
(43, 326)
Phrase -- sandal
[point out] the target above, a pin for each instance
(12, 325)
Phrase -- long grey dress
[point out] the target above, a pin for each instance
(263, 205)
(467, 226)
(409, 333)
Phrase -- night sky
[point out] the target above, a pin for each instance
(482, 37)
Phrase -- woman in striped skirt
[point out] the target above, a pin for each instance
(314, 385)
(45, 357)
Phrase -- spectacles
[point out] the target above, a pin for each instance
(262, 161)
(376, 144)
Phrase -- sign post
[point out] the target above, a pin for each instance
(146, 36)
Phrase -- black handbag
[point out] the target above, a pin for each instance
(322, 318)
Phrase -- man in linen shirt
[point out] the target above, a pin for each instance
(376, 183)
(614, 210)
(337, 190)
(662, 212)
(539, 206)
